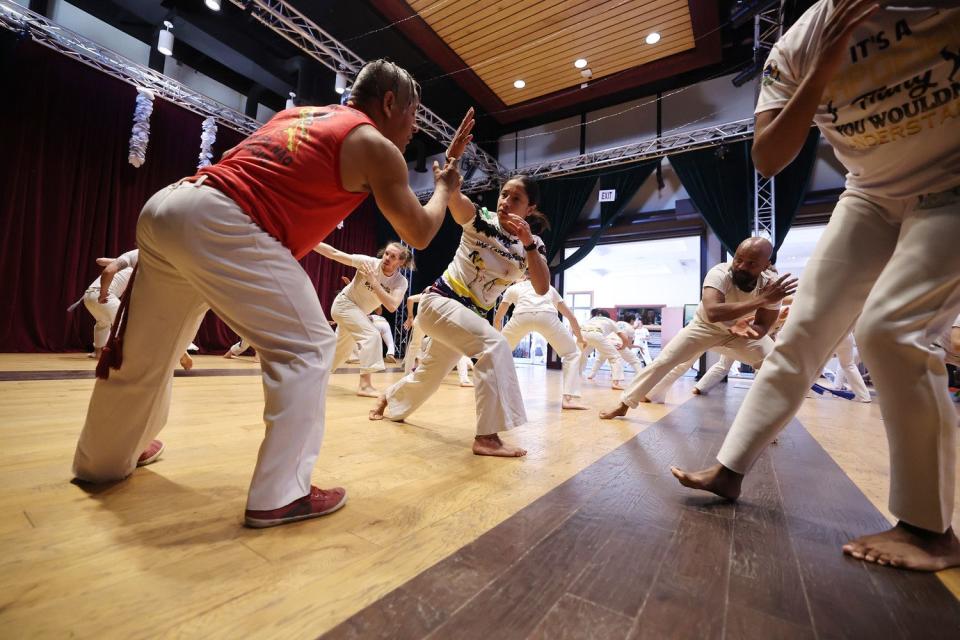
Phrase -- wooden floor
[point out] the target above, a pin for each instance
(164, 554)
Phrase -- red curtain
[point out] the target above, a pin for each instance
(68, 195)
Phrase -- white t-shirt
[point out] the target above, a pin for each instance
(122, 277)
(643, 334)
(360, 291)
(719, 278)
(944, 343)
(526, 300)
(487, 261)
(623, 327)
(599, 324)
(892, 112)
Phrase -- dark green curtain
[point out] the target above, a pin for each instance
(720, 182)
(791, 185)
(627, 183)
(562, 200)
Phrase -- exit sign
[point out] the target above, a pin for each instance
(608, 195)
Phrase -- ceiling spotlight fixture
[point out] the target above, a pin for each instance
(653, 38)
(340, 85)
(580, 63)
(587, 73)
(519, 84)
(165, 39)
(290, 102)
(213, 5)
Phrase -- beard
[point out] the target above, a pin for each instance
(743, 279)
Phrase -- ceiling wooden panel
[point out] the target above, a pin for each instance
(538, 40)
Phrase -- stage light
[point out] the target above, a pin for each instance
(290, 102)
(165, 39)
(341, 83)
(213, 5)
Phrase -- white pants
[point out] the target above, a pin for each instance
(456, 331)
(849, 371)
(654, 381)
(355, 328)
(463, 369)
(644, 353)
(710, 379)
(616, 366)
(605, 348)
(386, 333)
(240, 347)
(548, 325)
(899, 265)
(103, 314)
(715, 374)
(626, 355)
(414, 347)
(198, 250)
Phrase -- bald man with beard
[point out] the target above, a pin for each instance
(732, 292)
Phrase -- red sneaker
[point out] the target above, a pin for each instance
(319, 502)
(151, 454)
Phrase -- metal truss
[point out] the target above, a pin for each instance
(50, 34)
(286, 21)
(767, 29)
(646, 150)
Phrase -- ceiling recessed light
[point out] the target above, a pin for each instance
(580, 63)
(519, 84)
(653, 38)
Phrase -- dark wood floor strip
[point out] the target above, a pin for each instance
(622, 551)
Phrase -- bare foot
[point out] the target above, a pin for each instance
(494, 446)
(570, 402)
(645, 400)
(908, 547)
(466, 383)
(616, 386)
(717, 479)
(619, 411)
(697, 392)
(186, 361)
(366, 391)
(377, 412)
(229, 355)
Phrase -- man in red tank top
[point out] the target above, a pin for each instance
(228, 239)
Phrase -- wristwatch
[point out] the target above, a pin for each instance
(530, 247)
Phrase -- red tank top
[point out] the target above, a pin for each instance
(286, 176)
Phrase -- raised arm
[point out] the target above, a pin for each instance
(370, 162)
(779, 134)
(461, 208)
(717, 309)
(334, 254)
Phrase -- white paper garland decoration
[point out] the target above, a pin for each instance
(207, 137)
(140, 135)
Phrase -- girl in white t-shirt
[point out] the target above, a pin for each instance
(378, 281)
(538, 313)
(495, 250)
